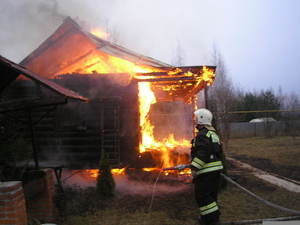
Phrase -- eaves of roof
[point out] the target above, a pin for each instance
(10, 71)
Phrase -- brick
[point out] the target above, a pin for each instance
(39, 204)
(9, 215)
(12, 195)
(42, 206)
(7, 208)
(8, 221)
(22, 220)
(16, 201)
(9, 186)
(45, 211)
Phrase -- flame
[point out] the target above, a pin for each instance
(186, 171)
(148, 142)
(151, 169)
(100, 33)
(118, 171)
(173, 72)
(95, 61)
(208, 75)
(94, 173)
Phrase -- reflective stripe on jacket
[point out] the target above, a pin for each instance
(205, 148)
(206, 167)
(212, 207)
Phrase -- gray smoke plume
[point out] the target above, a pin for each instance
(25, 24)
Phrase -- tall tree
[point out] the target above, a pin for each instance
(221, 96)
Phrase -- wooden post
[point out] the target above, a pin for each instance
(206, 97)
(195, 107)
(35, 153)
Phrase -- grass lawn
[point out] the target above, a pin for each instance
(278, 154)
(180, 208)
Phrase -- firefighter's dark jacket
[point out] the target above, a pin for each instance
(206, 152)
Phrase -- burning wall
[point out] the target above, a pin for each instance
(71, 50)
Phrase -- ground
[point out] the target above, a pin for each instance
(173, 201)
(277, 155)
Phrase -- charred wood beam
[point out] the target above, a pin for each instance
(187, 68)
(167, 83)
(183, 78)
(167, 71)
(164, 74)
(35, 153)
(195, 90)
(87, 75)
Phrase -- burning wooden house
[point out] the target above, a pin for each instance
(138, 105)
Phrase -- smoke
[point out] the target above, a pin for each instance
(137, 25)
(130, 187)
(25, 24)
(124, 185)
(172, 118)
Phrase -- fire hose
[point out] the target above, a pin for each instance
(266, 202)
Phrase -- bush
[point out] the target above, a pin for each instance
(105, 182)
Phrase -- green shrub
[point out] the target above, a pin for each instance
(105, 182)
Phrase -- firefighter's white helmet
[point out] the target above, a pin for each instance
(203, 117)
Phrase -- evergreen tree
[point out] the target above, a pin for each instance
(105, 182)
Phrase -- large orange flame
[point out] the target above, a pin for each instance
(99, 62)
(94, 173)
(148, 141)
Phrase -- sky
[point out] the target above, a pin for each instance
(259, 40)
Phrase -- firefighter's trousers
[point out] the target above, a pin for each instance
(206, 194)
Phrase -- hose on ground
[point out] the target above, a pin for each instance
(266, 202)
(259, 221)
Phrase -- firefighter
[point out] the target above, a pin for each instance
(206, 165)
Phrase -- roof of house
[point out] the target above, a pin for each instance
(72, 50)
(70, 44)
(10, 71)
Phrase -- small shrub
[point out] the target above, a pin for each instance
(105, 182)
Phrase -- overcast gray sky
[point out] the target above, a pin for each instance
(259, 39)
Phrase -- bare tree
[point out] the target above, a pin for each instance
(221, 96)
(291, 119)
